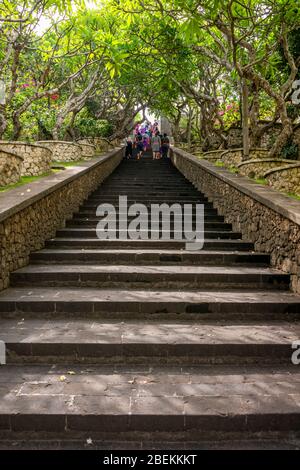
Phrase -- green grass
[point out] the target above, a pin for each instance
(230, 168)
(294, 196)
(24, 180)
(29, 179)
(66, 164)
(233, 169)
(260, 181)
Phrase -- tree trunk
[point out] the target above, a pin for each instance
(189, 128)
(70, 129)
(245, 117)
(285, 134)
(58, 124)
(255, 134)
(16, 126)
(3, 122)
(175, 127)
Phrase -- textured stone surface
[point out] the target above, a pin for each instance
(62, 150)
(232, 157)
(268, 219)
(101, 144)
(212, 155)
(36, 158)
(123, 399)
(286, 178)
(30, 215)
(258, 168)
(10, 167)
(88, 149)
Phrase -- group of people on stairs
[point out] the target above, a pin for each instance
(147, 137)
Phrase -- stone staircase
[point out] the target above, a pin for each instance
(142, 343)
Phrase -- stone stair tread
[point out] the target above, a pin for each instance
(78, 331)
(93, 399)
(92, 230)
(88, 294)
(132, 242)
(205, 270)
(69, 255)
(149, 250)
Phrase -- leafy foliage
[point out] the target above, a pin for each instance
(74, 69)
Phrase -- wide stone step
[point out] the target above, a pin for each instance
(126, 191)
(180, 190)
(166, 342)
(161, 187)
(147, 198)
(91, 208)
(208, 217)
(67, 302)
(154, 276)
(92, 221)
(76, 232)
(164, 257)
(148, 202)
(160, 182)
(183, 401)
(220, 244)
(100, 399)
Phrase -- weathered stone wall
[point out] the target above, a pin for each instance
(10, 167)
(269, 137)
(235, 137)
(36, 159)
(213, 155)
(285, 178)
(232, 157)
(28, 219)
(88, 150)
(258, 168)
(63, 151)
(101, 144)
(265, 217)
(296, 139)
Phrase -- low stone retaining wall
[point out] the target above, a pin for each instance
(87, 150)
(101, 144)
(258, 168)
(232, 157)
(213, 155)
(269, 219)
(285, 178)
(36, 158)
(27, 219)
(63, 151)
(10, 167)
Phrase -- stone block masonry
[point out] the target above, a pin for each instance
(36, 158)
(269, 219)
(285, 178)
(62, 150)
(258, 168)
(88, 150)
(28, 218)
(10, 167)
